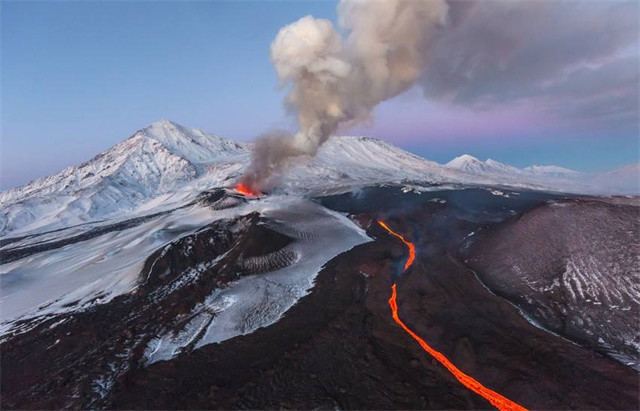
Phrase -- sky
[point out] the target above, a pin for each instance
(526, 83)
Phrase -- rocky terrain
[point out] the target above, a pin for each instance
(142, 279)
(167, 343)
(165, 165)
(572, 267)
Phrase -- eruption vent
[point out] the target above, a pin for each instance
(246, 191)
(335, 81)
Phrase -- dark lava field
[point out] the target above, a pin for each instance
(534, 295)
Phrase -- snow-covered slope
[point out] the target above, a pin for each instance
(196, 146)
(551, 171)
(348, 161)
(625, 180)
(471, 164)
(165, 165)
(156, 160)
(541, 177)
(554, 177)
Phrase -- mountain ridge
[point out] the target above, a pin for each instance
(169, 162)
(472, 164)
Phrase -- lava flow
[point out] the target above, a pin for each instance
(412, 248)
(246, 191)
(497, 400)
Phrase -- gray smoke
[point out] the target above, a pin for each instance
(568, 59)
(336, 81)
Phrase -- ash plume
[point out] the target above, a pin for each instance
(335, 81)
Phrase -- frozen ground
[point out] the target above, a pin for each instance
(88, 272)
(227, 305)
(260, 300)
(166, 164)
(78, 275)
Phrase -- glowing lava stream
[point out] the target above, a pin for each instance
(497, 400)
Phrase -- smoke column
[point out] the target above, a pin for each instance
(336, 81)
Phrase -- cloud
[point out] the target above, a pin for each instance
(335, 79)
(576, 59)
(570, 64)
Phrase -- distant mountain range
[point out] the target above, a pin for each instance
(166, 164)
(471, 164)
(625, 180)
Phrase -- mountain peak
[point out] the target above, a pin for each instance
(192, 144)
(471, 164)
(164, 123)
(466, 157)
(163, 126)
(463, 161)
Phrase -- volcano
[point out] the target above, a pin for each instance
(368, 278)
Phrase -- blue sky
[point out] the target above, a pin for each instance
(78, 77)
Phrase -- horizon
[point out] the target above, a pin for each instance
(442, 162)
(80, 77)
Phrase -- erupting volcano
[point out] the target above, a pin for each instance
(179, 269)
(497, 400)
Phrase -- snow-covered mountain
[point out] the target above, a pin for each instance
(625, 180)
(355, 161)
(471, 164)
(551, 171)
(155, 160)
(166, 164)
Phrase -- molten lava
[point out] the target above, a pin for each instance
(497, 400)
(412, 248)
(246, 191)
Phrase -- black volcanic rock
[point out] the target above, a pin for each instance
(73, 359)
(573, 267)
(338, 346)
(220, 198)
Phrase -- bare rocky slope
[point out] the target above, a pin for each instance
(571, 266)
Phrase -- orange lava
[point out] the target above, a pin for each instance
(412, 248)
(246, 191)
(497, 400)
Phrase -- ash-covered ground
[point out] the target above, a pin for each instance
(282, 302)
(572, 266)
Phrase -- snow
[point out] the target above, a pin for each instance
(197, 146)
(550, 171)
(345, 163)
(260, 300)
(96, 270)
(553, 178)
(471, 164)
(89, 272)
(158, 173)
(165, 165)
(155, 164)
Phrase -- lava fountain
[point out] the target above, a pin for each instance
(246, 191)
(497, 400)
